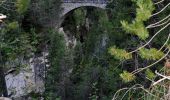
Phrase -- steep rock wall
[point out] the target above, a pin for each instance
(29, 79)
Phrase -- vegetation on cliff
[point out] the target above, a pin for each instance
(101, 55)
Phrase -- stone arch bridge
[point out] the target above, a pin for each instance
(69, 5)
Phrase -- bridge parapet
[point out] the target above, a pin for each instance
(86, 1)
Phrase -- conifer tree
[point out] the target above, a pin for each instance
(146, 12)
(14, 41)
(3, 88)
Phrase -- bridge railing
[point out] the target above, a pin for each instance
(85, 1)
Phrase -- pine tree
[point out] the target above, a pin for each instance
(3, 88)
(146, 12)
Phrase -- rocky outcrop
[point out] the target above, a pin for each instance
(29, 78)
(20, 84)
(70, 39)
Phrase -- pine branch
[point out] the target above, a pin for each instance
(150, 39)
(141, 69)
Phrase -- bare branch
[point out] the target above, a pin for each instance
(161, 10)
(158, 21)
(141, 69)
(159, 2)
(2, 17)
(162, 79)
(164, 43)
(150, 39)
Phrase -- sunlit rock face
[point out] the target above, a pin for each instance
(3, 98)
(70, 40)
(27, 79)
(20, 84)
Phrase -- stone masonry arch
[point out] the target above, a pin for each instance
(68, 6)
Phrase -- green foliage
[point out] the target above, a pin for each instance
(13, 25)
(15, 42)
(150, 74)
(144, 11)
(127, 77)
(79, 16)
(94, 95)
(45, 13)
(95, 73)
(34, 39)
(136, 28)
(103, 22)
(150, 54)
(19, 33)
(22, 6)
(93, 70)
(120, 54)
(56, 56)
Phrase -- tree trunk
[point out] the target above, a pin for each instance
(3, 87)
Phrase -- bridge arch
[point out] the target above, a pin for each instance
(68, 7)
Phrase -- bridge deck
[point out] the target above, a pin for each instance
(85, 1)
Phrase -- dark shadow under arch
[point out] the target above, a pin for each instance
(72, 10)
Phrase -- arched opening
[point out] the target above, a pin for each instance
(69, 8)
(84, 32)
(85, 37)
(78, 22)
